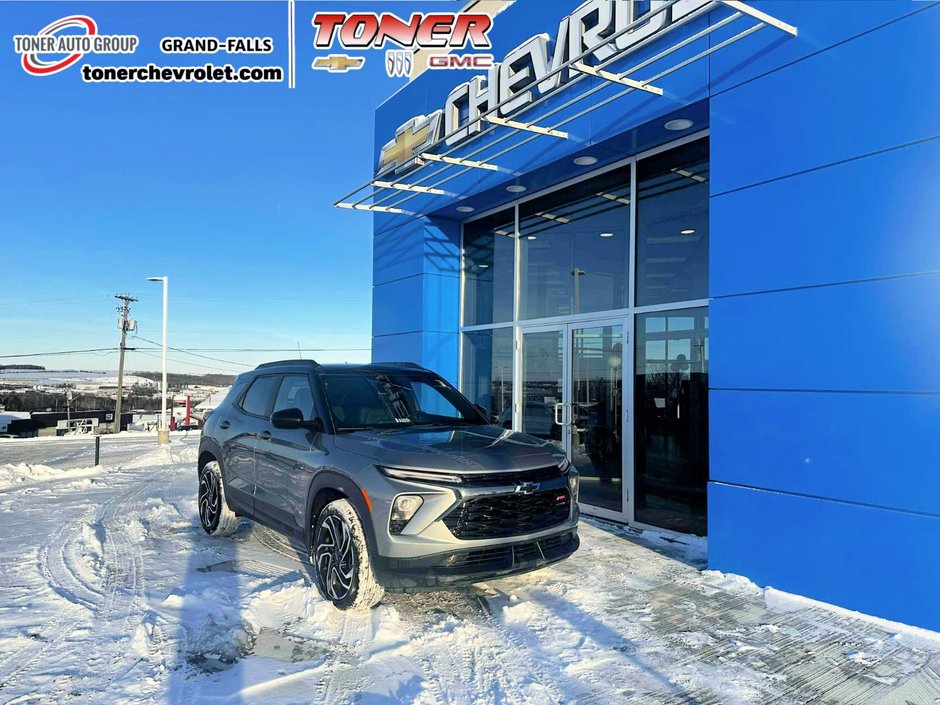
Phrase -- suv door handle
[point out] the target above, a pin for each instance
(224, 423)
(265, 435)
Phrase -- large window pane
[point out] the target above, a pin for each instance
(575, 246)
(487, 371)
(672, 226)
(671, 419)
(488, 269)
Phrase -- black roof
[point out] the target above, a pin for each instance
(339, 367)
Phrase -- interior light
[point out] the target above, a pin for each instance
(515, 188)
(586, 160)
(530, 237)
(607, 234)
(678, 124)
(687, 231)
(484, 266)
(465, 209)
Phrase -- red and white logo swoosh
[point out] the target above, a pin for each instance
(38, 67)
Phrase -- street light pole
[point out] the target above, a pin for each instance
(163, 433)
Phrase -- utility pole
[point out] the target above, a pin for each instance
(125, 324)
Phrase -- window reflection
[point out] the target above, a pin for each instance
(672, 225)
(671, 401)
(488, 269)
(487, 371)
(575, 246)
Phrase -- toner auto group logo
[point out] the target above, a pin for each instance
(54, 48)
(439, 32)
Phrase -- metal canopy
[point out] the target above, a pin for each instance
(424, 179)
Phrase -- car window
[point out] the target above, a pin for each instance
(392, 399)
(257, 399)
(295, 394)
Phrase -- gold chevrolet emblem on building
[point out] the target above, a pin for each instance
(338, 63)
(412, 138)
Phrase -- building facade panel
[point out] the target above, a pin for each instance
(869, 336)
(862, 219)
(821, 23)
(873, 449)
(872, 560)
(852, 99)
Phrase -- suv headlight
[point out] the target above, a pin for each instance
(421, 475)
(404, 508)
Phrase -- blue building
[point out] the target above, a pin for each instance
(695, 244)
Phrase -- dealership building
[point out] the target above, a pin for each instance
(697, 245)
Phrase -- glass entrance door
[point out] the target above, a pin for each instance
(596, 421)
(572, 393)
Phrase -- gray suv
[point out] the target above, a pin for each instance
(385, 476)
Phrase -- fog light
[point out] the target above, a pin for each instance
(403, 509)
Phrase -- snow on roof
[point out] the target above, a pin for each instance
(213, 401)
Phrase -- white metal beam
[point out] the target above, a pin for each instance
(380, 209)
(614, 78)
(746, 9)
(523, 126)
(458, 161)
(411, 187)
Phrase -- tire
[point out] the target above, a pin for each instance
(341, 559)
(214, 515)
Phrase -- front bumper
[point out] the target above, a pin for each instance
(471, 565)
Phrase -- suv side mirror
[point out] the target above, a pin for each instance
(287, 418)
(294, 418)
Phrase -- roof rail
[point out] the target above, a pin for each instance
(282, 363)
(401, 364)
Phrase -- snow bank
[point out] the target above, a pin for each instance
(14, 474)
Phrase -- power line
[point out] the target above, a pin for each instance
(62, 352)
(194, 354)
(190, 363)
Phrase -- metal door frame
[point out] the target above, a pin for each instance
(625, 321)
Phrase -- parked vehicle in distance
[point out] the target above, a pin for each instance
(187, 427)
(386, 476)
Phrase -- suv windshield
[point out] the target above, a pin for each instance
(368, 399)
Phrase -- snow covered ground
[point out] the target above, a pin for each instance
(111, 593)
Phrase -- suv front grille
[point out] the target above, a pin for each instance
(496, 478)
(499, 516)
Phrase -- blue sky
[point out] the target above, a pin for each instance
(228, 189)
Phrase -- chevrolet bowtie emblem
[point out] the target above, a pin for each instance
(411, 139)
(338, 63)
(526, 487)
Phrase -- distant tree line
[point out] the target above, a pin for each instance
(55, 401)
(21, 367)
(179, 380)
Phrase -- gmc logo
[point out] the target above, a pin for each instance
(461, 61)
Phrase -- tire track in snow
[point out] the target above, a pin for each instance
(455, 639)
(56, 561)
(123, 609)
